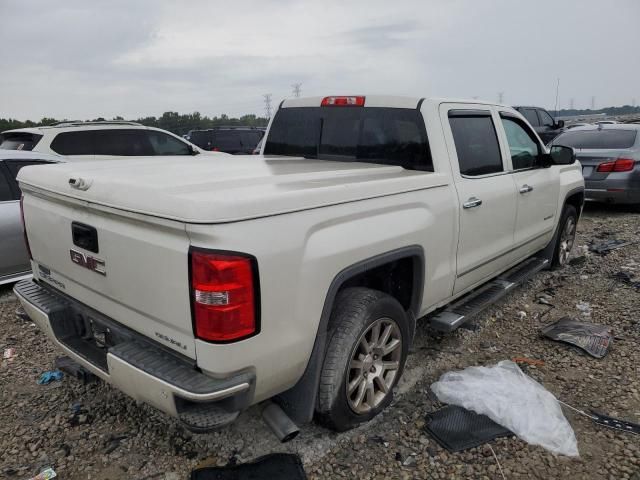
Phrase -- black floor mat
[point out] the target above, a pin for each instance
(593, 339)
(456, 428)
(270, 467)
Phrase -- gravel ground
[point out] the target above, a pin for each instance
(113, 437)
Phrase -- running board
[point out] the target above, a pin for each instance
(462, 310)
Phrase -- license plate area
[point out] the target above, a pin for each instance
(88, 335)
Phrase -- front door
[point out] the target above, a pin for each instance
(486, 194)
(537, 186)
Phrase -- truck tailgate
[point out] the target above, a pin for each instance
(137, 274)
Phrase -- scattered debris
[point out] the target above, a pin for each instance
(602, 248)
(75, 370)
(577, 261)
(513, 400)
(268, 467)
(9, 353)
(626, 277)
(22, 314)
(585, 308)
(528, 361)
(593, 339)
(456, 428)
(79, 415)
(50, 376)
(522, 314)
(45, 475)
(606, 421)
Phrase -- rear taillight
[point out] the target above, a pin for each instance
(24, 227)
(224, 295)
(620, 165)
(342, 102)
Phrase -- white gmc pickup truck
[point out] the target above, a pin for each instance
(205, 285)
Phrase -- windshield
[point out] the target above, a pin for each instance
(597, 139)
(391, 136)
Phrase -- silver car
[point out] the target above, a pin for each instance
(14, 258)
(610, 159)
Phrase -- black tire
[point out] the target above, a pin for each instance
(356, 313)
(561, 250)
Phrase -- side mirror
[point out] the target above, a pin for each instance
(561, 155)
(559, 124)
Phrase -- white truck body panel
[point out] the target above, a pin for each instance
(303, 220)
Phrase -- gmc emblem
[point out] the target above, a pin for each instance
(87, 261)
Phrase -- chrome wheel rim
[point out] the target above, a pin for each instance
(566, 240)
(374, 365)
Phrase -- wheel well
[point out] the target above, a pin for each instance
(397, 278)
(577, 200)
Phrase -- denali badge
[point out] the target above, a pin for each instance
(87, 261)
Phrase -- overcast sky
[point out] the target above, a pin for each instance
(81, 59)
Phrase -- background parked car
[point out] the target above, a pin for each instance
(14, 258)
(234, 140)
(542, 122)
(610, 158)
(97, 140)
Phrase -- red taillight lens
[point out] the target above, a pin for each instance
(24, 227)
(342, 102)
(624, 165)
(620, 165)
(215, 149)
(223, 301)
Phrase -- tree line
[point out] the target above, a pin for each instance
(171, 121)
(613, 111)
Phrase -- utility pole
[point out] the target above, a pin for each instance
(593, 103)
(571, 104)
(267, 104)
(557, 93)
(633, 102)
(500, 97)
(296, 89)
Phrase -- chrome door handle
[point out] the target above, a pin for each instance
(472, 202)
(526, 188)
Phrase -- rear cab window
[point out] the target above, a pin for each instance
(381, 135)
(476, 142)
(597, 139)
(19, 140)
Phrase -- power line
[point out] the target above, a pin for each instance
(267, 104)
(297, 90)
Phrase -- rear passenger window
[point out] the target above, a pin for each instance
(476, 142)
(123, 142)
(14, 166)
(19, 140)
(531, 116)
(522, 146)
(74, 143)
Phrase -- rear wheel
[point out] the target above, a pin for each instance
(566, 237)
(365, 358)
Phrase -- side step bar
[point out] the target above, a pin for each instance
(462, 310)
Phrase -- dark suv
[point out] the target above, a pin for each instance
(235, 140)
(542, 122)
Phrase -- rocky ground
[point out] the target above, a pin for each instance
(96, 432)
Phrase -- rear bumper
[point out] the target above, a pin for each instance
(133, 363)
(613, 190)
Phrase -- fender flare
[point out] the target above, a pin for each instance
(300, 400)
(547, 252)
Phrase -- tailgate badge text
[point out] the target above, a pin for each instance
(87, 261)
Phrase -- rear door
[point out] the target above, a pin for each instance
(486, 193)
(537, 187)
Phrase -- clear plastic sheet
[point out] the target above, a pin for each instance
(511, 399)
